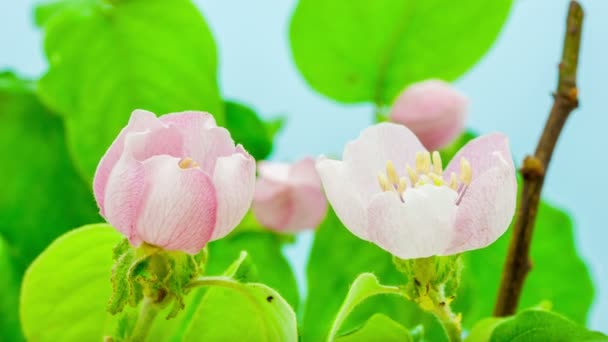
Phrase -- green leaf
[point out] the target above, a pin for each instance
(248, 129)
(9, 300)
(378, 328)
(548, 280)
(42, 195)
(336, 259)
(108, 58)
(538, 325)
(264, 250)
(362, 51)
(65, 290)
(366, 285)
(482, 330)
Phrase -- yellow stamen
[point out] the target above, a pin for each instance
(412, 174)
(453, 181)
(437, 165)
(392, 173)
(420, 162)
(436, 179)
(402, 185)
(384, 184)
(187, 163)
(465, 171)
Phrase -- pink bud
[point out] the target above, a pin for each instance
(176, 182)
(289, 197)
(434, 110)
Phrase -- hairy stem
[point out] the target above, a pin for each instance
(149, 311)
(534, 167)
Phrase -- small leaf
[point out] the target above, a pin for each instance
(249, 130)
(366, 285)
(65, 290)
(378, 328)
(364, 51)
(103, 66)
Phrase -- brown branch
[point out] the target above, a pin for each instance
(533, 170)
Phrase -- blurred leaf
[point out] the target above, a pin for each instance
(264, 250)
(336, 259)
(566, 283)
(42, 194)
(378, 328)
(366, 285)
(66, 289)
(108, 58)
(248, 129)
(363, 51)
(533, 325)
(9, 300)
(261, 313)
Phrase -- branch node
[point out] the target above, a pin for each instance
(532, 168)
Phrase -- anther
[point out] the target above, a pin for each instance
(423, 162)
(187, 163)
(412, 174)
(391, 173)
(453, 181)
(465, 171)
(384, 184)
(437, 180)
(402, 185)
(437, 166)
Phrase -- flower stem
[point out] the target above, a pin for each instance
(449, 321)
(149, 311)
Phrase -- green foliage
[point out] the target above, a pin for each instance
(336, 259)
(532, 325)
(65, 290)
(378, 328)
(103, 66)
(264, 250)
(366, 285)
(236, 311)
(363, 51)
(248, 129)
(9, 298)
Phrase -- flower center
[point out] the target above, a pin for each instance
(428, 170)
(187, 163)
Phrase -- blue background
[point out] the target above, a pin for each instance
(509, 91)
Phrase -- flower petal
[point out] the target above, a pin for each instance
(486, 209)
(234, 180)
(278, 172)
(140, 121)
(419, 227)
(204, 141)
(368, 154)
(125, 184)
(479, 153)
(348, 204)
(179, 207)
(304, 172)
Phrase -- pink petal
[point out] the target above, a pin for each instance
(125, 184)
(140, 121)
(204, 141)
(278, 172)
(179, 207)
(304, 172)
(487, 208)
(349, 205)
(434, 110)
(479, 152)
(368, 154)
(419, 227)
(234, 180)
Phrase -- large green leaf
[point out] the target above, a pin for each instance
(42, 195)
(378, 328)
(247, 128)
(533, 325)
(66, 289)
(108, 58)
(9, 300)
(360, 50)
(336, 259)
(558, 273)
(264, 250)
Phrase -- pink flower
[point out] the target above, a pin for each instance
(434, 110)
(177, 181)
(391, 191)
(289, 197)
